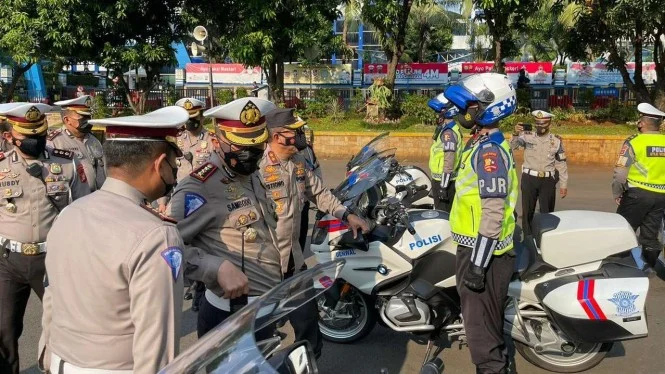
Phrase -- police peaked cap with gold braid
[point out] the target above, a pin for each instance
(284, 117)
(80, 105)
(27, 118)
(193, 106)
(648, 110)
(542, 117)
(242, 121)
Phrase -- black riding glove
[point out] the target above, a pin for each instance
(443, 194)
(474, 278)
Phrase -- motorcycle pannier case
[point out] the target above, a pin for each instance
(605, 306)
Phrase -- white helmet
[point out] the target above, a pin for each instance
(494, 94)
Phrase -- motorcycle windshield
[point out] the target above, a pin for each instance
(371, 149)
(365, 176)
(231, 347)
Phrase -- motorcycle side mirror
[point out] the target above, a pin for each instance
(294, 359)
(347, 240)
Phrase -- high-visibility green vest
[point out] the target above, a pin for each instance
(466, 211)
(648, 169)
(436, 152)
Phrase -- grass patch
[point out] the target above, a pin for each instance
(411, 124)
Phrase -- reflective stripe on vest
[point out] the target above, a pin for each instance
(467, 209)
(436, 153)
(648, 169)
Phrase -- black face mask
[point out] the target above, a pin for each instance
(244, 161)
(31, 145)
(468, 118)
(85, 126)
(168, 187)
(192, 125)
(299, 140)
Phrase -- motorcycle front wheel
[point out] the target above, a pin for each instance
(350, 320)
(584, 357)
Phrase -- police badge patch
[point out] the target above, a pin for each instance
(625, 302)
(193, 202)
(173, 258)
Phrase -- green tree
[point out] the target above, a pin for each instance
(429, 31)
(35, 30)
(270, 33)
(134, 35)
(620, 29)
(547, 33)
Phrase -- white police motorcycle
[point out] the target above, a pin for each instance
(576, 290)
(232, 348)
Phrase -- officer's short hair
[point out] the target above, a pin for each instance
(651, 123)
(133, 156)
(5, 126)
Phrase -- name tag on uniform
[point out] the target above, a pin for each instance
(653, 151)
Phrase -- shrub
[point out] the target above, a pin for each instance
(223, 96)
(100, 107)
(241, 92)
(523, 98)
(357, 101)
(413, 105)
(615, 112)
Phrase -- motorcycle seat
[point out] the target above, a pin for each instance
(528, 262)
(541, 224)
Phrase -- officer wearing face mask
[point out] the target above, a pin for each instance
(481, 220)
(225, 217)
(114, 299)
(36, 184)
(544, 165)
(290, 183)
(445, 153)
(76, 136)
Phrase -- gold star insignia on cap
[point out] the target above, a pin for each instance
(539, 114)
(33, 114)
(250, 114)
(188, 105)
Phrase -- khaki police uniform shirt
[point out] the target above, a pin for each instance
(5, 146)
(311, 162)
(201, 148)
(88, 151)
(218, 212)
(114, 298)
(290, 183)
(29, 205)
(543, 153)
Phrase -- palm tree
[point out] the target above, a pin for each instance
(425, 19)
(352, 11)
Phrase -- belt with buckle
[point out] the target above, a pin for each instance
(539, 174)
(28, 249)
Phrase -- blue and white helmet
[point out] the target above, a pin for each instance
(442, 105)
(494, 94)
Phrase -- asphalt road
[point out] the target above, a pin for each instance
(589, 189)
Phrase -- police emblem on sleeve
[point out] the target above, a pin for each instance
(173, 258)
(625, 302)
(193, 202)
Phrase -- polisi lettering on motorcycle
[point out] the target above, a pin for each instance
(425, 242)
(403, 178)
(346, 252)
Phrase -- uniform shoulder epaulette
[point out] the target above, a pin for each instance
(62, 153)
(2, 156)
(159, 215)
(273, 158)
(204, 171)
(53, 134)
(632, 137)
(557, 136)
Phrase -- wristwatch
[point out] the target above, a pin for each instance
(345, 216)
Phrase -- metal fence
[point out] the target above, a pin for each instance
(540, 98)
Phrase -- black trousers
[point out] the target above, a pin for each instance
(305, 323)
(483, 311)
(209, 317)
(19, 274)
(443, 205)
(644, 210)
(536, 189)
(304, 225)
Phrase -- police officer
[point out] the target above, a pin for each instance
(5, 146)
(114, 298)
(290, 183)
(36, 184)
(76, 136)
(639, 181)
(312, 164)
(197, 148)
(225, 218)
(544, 165)
(445, 153)
(481, 219)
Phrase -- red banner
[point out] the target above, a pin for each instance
(410, 73)
(537, 72)
(477, 67)
(222, 73)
